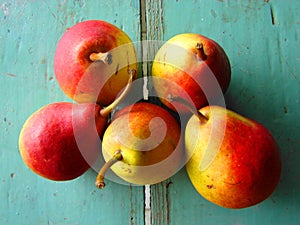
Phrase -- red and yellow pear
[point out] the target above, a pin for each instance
(93, 60)
(142, 145)
(60, 141)
(234, 161)
(192, 67)
(49, 139)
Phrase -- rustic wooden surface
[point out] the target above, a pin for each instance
(262, 41)
(29, 31)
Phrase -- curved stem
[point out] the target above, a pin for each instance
(192, 109)
(201, 117)
(105, 111)
(100, 177)
(200, 51)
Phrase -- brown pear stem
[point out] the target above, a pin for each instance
(200, 51)
(201, 117)
(192, 109)
(100, 177)
(105, 57)
(105, 111)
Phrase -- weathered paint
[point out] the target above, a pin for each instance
(29, 32)
(262, 41)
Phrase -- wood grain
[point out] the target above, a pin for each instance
(261, 39)
(29, 31)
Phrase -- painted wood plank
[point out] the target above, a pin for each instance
(261, 39)
(29, 31)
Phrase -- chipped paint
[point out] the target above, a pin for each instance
(4, 8)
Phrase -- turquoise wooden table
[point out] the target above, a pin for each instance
(262, 41)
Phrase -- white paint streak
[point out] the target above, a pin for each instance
(4, 8)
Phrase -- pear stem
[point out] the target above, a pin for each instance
(201, 117)
(192, 109)
(105, 111)
(105, 57)
(200, 51)
(100, 177)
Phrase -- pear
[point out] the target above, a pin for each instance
(49, 139)
(92, 61)
(193, 67)
(60, 141)
(234, 161)
(142, 145)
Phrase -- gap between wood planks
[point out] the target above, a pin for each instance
(147, 193)
(151, 34)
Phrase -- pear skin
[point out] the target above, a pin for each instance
(193, 67)
(92, 60)
(234, 161)
(60, 141)
(149, 140)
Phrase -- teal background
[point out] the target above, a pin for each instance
(262, 41)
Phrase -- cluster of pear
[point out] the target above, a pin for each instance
(231, 160)
(60, 141)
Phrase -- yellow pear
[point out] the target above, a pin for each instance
(142, 145)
